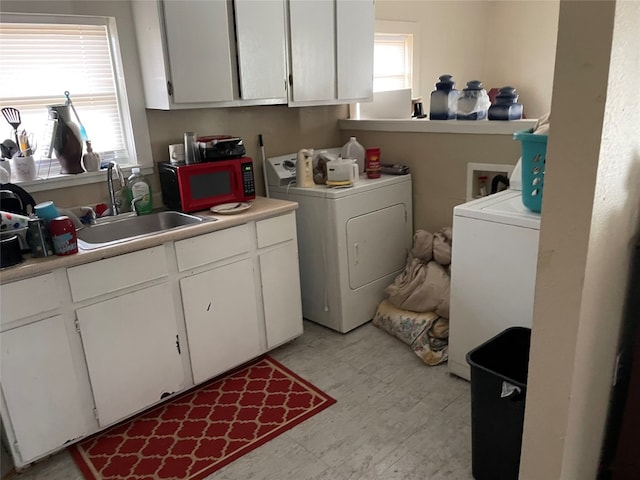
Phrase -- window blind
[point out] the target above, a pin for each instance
(40, 61)
(392, 68)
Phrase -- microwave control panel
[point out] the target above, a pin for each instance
(247, 179)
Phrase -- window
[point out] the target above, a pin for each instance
(392, 62)
(395, 67)
(395, 56)
(44, 56)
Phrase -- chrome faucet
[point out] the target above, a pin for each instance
(114, 205)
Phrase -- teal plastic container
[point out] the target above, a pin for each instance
(534, 156)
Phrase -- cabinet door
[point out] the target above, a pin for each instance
(200, 50)
(18, 300)
(131, 351)
(260, 32)
(354, 36)
(312, 49)
(280, 278)
(40, 387)
(221, 318)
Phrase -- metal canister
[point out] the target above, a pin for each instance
(38, 238)
(372, 163)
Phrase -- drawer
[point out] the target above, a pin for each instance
(111, 274)
(277, 229)
(27, 297)
(212, 247)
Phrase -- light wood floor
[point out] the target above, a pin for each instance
(395, 417)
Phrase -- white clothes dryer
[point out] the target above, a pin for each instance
(352, 242)
(493, 271)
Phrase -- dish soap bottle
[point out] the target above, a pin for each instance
(352, 149)
(138, 189)
(90, 160)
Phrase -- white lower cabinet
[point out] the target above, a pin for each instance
(130, 344)
(233, 293)
(280, 279)
(221, 318)
(41, 388)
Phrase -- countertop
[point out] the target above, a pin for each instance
(261, 208)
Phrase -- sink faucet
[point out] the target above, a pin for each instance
(114, 205)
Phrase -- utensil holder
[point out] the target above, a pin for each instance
(24, 168)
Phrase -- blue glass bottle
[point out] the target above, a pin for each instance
(444, 100)
(473, 102)
(506, 106)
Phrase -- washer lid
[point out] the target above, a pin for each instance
(503, 207)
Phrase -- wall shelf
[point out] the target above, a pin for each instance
(480, 127)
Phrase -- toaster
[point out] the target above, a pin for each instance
(220, 147)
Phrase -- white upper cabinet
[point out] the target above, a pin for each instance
(200, 51)
(262, 55)
(354, 35)
(313, 49)
(198, 54)
(331, 49)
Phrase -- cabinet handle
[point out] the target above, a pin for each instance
(355, 251)
(178, 344)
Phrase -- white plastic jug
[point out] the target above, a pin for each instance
(352, 149)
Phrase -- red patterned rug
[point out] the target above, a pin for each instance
(203, 430)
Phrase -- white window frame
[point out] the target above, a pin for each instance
(133, 115)
(405, 28)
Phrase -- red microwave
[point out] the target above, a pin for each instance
(199, 186)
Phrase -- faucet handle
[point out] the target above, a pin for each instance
(134, 202)
(113, 164)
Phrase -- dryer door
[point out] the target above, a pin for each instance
(376, 244)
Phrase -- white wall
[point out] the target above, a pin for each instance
(589, 222)
(521, 46)
(452, 38)
(498, 42)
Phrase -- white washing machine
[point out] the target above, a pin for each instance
(493, 271)
(352, 242)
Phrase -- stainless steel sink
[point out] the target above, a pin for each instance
(121, 229)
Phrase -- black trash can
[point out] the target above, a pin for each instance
(498, 392)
